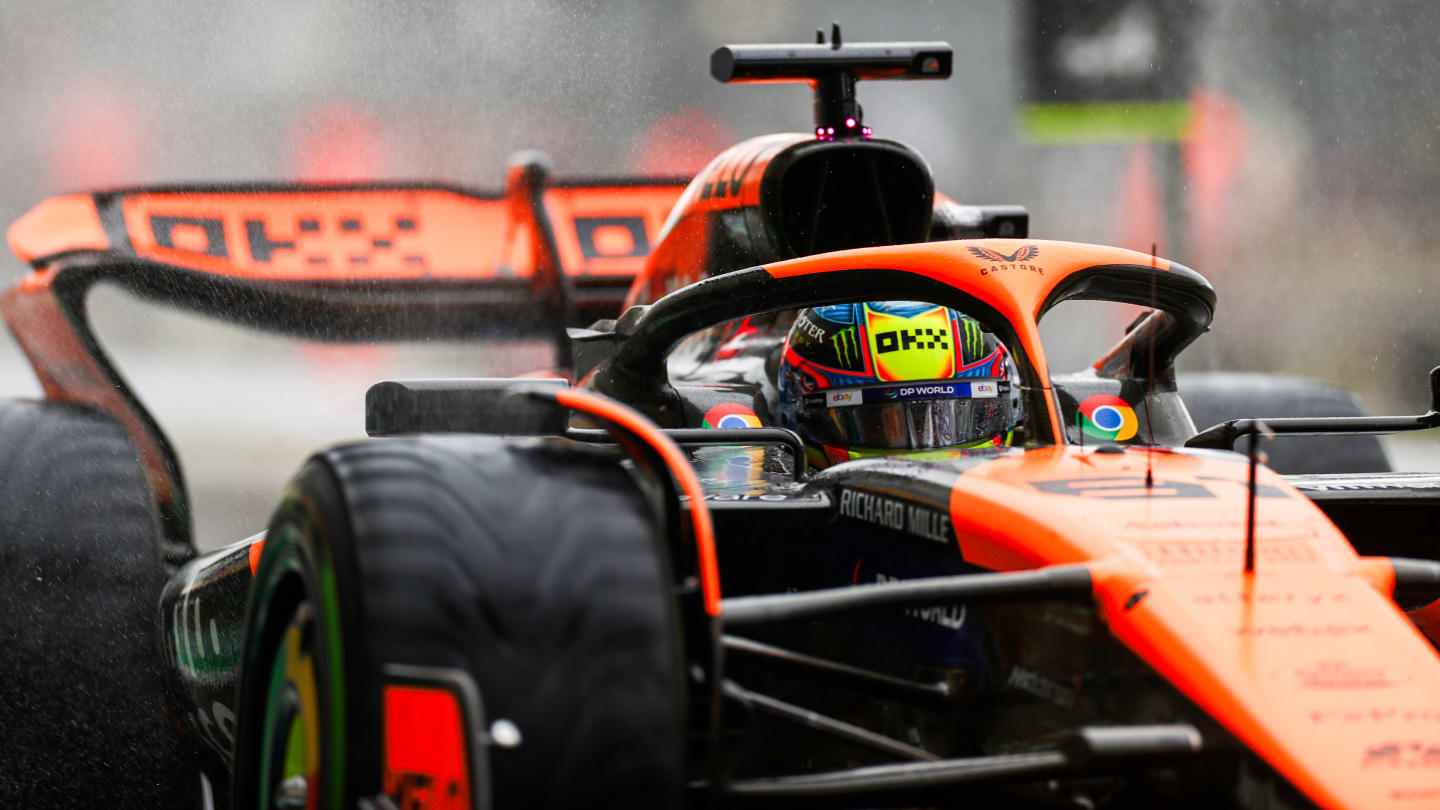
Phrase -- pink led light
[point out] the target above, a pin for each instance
(829, 130)
(849, 123)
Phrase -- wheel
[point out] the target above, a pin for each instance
(1217, 397)
(289, 755)
(82, 712)
(529, 576)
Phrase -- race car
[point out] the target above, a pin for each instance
(805, 519)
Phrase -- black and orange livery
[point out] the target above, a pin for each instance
(1068, 621)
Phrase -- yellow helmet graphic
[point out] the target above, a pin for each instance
(917, 347)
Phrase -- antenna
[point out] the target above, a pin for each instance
(1150, 385)
(1257, 430)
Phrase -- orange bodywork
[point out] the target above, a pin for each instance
(319, 233)
(328, 235)
(730, 181)
(1307, 660)
(679, 465)
(301, 234)
(608, 231)
(68, 370)
(58, 225)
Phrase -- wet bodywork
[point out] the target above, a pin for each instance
(1280, 662)
(202, 632)
(1279, 669)
(1296, 680)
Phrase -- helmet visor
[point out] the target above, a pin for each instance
(911, 416)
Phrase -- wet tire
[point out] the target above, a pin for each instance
(1213, 398)
(82, 714)
(535, 570)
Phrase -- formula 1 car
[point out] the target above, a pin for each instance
(632, 582)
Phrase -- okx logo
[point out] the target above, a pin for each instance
(903, 339)
(911, 346)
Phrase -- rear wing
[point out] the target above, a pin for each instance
(324, 262)
(569, 243)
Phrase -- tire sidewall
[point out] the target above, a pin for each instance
(307, 560)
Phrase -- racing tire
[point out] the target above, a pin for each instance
(82, 687)
(1215, 397)
(535, 571)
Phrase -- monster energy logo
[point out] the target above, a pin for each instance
(847, 349)
(974, 338)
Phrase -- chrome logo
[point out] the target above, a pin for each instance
(1107, 417)
(732, 415)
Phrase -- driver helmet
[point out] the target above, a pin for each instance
(890, 377)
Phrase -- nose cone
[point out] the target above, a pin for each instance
(1318, 673)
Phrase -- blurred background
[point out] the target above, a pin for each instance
(1291, 153)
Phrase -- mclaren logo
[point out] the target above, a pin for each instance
(1013, 261)
(1026, 252)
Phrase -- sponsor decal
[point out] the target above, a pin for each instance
(974, 338)
(313, 237)
(612, 237)
(1301, 631)
(1222, 553)
(753, 497)
(979, 390)
(730, 415)
(1107, 417)
(890, 513)
(1123, 487)
(1033, 683)
(847, 349)
(1377, 714)
(808, 330)
(846, 397)
(1025, 252)
(1418, 794)
(907, 392)
(1341, 675)
(911, 347)
(1363, 484)
(1013, 261)
(951, 617)
(1402, 754)
(925, 390)
(906, 339)
(1299, 598)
